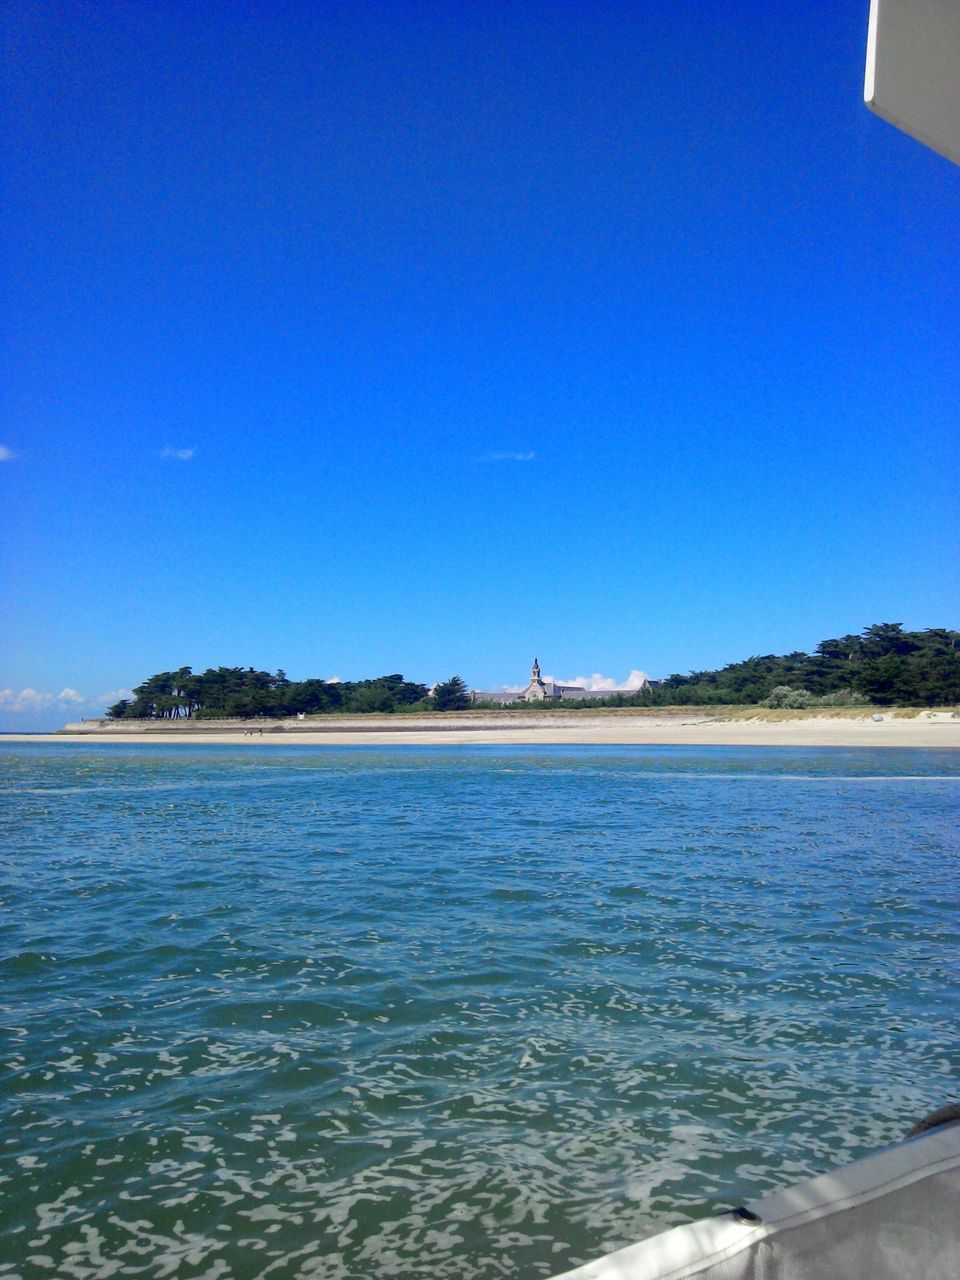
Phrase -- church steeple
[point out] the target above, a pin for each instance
(535, 672)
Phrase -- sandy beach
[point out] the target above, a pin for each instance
(753, 727)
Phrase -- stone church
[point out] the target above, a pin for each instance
(539, 690)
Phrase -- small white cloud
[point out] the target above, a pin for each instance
(7, 454)
(181, 455)
(333, 680)
(25, 700)
(508, 456)
(636, 679)
(109, 698)
(32, 700)
(597, 682)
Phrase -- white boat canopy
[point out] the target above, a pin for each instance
(912, 75)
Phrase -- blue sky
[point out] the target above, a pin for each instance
(353, 339)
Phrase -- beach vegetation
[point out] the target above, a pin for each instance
(792, 699)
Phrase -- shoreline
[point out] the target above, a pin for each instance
(906, 727)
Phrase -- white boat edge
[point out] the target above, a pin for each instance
(690, 1250)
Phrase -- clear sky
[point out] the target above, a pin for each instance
(361, 338)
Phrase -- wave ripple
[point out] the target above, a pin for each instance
(321, 1014)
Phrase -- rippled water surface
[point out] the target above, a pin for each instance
(330, 1014)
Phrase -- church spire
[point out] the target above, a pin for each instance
(535, 672)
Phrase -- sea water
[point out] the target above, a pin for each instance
(469, 1012)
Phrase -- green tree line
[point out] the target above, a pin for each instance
(242, 693)
(884, 665)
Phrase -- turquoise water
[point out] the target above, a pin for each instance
(472, 1012)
